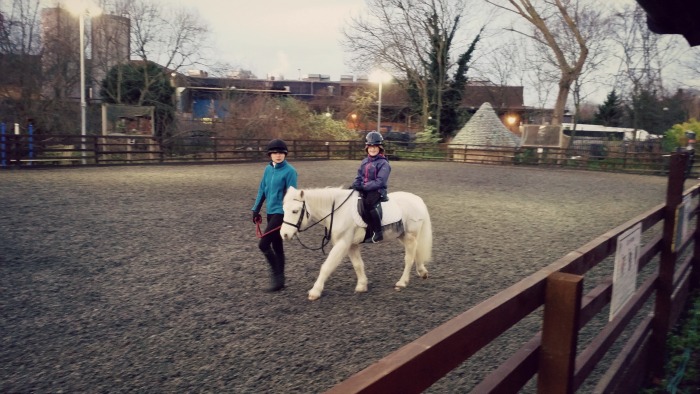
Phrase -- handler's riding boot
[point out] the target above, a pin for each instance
(376, 224)
(276, 274)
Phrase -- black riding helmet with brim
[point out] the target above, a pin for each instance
(276, 146)
(374, 138)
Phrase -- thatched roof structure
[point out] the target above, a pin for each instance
(485, 129)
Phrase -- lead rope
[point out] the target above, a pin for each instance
(259, 233)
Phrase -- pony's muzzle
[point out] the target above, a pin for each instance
(286, 233)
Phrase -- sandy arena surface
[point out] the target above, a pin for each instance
(148, 279)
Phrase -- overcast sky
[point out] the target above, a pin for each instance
(279, 37)
(292, 38)
(282, 37)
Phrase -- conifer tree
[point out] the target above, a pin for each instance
(610, 112)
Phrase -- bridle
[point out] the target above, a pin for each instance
(327, 230)
(301, 218)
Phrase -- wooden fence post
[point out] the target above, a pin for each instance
(559, 333)
(695, 262)
(664, 285)
(96, 148)
(161, 149)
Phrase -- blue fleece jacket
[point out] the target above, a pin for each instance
(274, 184)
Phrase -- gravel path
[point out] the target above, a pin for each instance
(148, 279)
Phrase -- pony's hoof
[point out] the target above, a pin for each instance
(360, 289)
(424, 276)
(314, 296)
(398, 288)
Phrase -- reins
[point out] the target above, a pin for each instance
(327, 231)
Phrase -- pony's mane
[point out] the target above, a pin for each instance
(323, 196)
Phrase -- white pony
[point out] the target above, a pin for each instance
(336, 209)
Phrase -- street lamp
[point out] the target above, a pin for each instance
(380, 77)
(83, 7)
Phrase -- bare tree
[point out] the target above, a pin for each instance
(39, 73)
(543, 78)
(643, 56)
(172, 37)
(409, 38)
(502, 64)
(692, 65)
(556, 25)
(595, 26)
(20, 53)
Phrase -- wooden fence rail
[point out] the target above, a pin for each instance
(552, 355)
(23, 150)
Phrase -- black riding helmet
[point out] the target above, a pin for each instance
(374, 138)
(276, 146)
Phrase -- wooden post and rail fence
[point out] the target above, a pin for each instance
(551, 356)
(30, 150)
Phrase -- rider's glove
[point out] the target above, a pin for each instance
(257, 218)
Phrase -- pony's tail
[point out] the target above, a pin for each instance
(424, 249)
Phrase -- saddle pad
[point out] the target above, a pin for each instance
(391, 213)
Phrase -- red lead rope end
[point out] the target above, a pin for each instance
(259, 233)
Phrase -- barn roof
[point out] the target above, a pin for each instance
(485, 128)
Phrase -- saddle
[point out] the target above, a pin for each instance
(389, 212)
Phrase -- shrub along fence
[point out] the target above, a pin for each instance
(638, 316)
(30, 150)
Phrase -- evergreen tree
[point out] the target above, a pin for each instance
(141, 84)
(610, 112)
(655, 114)
(452, 117)
(445, 94)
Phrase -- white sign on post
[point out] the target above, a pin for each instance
(626, 263)
(684, 214)
(687, 217)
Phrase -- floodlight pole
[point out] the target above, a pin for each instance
(379, 109)
(83, 104)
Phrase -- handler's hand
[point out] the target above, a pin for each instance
(257, 218)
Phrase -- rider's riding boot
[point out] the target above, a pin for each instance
(276, 270)
(376, 225)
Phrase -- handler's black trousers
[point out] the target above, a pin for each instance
(273, 239)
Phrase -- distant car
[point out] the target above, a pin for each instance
(398, 138)
(200, 138)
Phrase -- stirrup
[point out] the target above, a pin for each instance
(376, 237)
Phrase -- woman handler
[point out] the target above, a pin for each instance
(278, 176)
